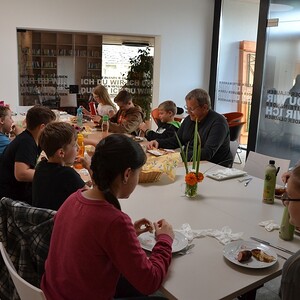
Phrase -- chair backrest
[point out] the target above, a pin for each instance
(154, 114)
(25, 290)
(256, 163)
(235, 116)
(235, 130)
(233, 148)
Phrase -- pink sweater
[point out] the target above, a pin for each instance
(91, 244)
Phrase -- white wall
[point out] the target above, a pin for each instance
(183, 30)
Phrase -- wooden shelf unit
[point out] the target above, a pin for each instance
(86, 49)
(48, 58)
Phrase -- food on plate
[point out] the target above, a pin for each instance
(260, 255)
(244, 255)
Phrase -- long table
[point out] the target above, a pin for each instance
(205, 273)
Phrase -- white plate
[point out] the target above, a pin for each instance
(227, 173)
(231, 251)
(148, 241)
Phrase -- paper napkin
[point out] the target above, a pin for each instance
(269, 225)
(223, 235)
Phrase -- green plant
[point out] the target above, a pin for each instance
(139, 80)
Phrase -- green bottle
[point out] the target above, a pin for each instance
(286, 231)
(269, 183)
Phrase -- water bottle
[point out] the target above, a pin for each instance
(81, 150)
(105, 125)
(269, 183)
(286, 231)
(79, 117)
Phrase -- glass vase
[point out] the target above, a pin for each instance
(191, 190)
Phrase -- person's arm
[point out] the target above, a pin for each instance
(168, 130)
(23, 172)
(85, 111)
(212, 138)
(171, 142)
(130, 123)
(125, 251)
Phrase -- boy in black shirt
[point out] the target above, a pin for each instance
(54, 180)
(167, 126)
(20, 156)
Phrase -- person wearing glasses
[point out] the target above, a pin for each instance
(94, 249)
(212, 126)
(105, 105)
(290, 288)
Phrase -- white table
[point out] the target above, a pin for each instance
(205, 273)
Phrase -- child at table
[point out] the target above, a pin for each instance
(6, 126)
(19, 159)
(93, 242)
(290, 288)
(54, 180)
(105, 105)
(167, 125)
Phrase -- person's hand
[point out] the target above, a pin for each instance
(85, 111)
(15, 129)
(96, 119)
(152, 144)
(90, 141)
(143, 225)
(143, 127)
(285, 176)
(163, 227)
(85, 161)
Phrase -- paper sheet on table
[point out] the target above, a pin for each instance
(166, 164)
(223, 235)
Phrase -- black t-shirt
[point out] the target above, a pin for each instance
(22, 149)
(53, 184)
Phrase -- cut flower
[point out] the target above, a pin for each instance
(192, 176)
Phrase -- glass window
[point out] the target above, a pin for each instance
(279, 122)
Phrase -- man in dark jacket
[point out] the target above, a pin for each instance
(212, 127)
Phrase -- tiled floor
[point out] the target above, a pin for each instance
(270, 290)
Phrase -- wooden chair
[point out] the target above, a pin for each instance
(256, 163)
(233, 116)
(25, 290)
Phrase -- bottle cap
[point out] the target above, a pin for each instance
(105, 118)
(272, 162)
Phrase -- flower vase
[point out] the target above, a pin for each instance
(191, 190)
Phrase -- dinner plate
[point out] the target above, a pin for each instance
(148, 241)
(227, 173)
(232, 249)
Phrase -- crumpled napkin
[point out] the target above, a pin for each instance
(224, 235)
(269, 225)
